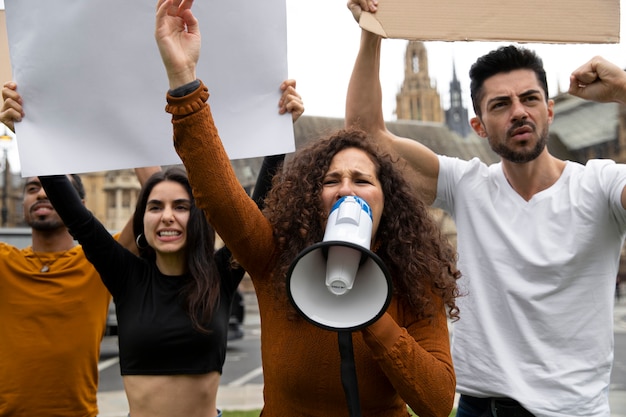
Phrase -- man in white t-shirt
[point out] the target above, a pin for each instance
(539, 238)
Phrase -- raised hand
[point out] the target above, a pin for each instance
(178, 37)
(290, 101)
(599, 80)
(358, 6)
(12, 110)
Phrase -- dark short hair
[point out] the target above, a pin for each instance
(502, 60)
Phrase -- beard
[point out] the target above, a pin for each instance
(45, 225)
(520, 157)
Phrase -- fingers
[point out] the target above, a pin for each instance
(9, 90)
(599, 80)
(163, 7)
(355, 8)
(10, 84)
(8, 118)
(173, 7)
(190, 20)
(180, 9)
(184, 5)
(12, 110)
(287, 83)
(167, 8)
(159, 4)
(290, 97)
(358, 6)
(369, 5)
(290, 101)
(585, 74)
(366, 5)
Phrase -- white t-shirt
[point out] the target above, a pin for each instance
(537, 321)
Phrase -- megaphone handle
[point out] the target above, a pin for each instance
(348, 373)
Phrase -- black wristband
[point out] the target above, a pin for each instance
(183, 90)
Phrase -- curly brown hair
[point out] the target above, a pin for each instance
(421, 261)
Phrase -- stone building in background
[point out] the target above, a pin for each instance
(418, 98)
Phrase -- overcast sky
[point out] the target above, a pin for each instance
(323, 39)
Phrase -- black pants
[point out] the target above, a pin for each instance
(490, 407)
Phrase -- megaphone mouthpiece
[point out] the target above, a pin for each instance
(350, 220)
(342, 264)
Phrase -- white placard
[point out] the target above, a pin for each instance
(94, 85)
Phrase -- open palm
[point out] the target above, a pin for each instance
(178, 37)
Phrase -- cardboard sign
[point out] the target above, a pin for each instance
(5, 64)
(553, 21)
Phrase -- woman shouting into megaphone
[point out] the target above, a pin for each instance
(403, 358)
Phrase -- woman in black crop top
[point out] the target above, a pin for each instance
(173, 302)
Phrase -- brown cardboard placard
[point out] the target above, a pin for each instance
(552, 21)
(5, 62)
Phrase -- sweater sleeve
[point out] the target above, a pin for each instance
(65, 200)
(216, 189)
(98, 244)
(261, 188)
(416, 358)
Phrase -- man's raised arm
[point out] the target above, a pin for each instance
(364, 109)
(602, 81)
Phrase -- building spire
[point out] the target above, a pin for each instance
(456, 116)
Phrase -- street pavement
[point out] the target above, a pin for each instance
(250, 396)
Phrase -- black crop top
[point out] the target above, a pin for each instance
(156, 336)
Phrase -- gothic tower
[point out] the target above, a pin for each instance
(456, 116)
(418, 99)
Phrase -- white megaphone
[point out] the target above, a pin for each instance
(340, 284)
